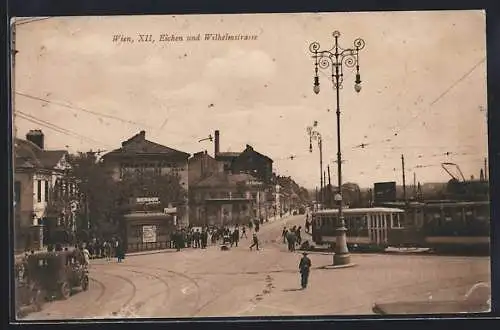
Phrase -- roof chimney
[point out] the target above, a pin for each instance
(216, 143)
(142, 134)
(36, 136)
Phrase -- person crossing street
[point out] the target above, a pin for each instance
(255, 242)
(304, 268)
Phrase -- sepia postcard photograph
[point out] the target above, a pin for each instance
(250, 165)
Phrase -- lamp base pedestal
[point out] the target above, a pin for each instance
(341, 256)
(341, 259)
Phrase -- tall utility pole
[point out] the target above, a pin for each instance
(324, 186)
(485, 169)
(320, 144)
(414, 184)
(315, 135)
(404, 179)
(329, 181)
(329, 190)
(336, 58)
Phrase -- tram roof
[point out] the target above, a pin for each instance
(362, 210)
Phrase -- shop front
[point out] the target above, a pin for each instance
(148, 227)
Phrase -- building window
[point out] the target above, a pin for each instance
(46, 190)
(39, 191)
(17, 192)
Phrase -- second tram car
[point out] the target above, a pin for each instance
(367, 228)
(446, 226)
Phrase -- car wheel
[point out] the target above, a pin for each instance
(85, 283)
(64, 290)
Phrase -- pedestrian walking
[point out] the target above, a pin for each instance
(304, 268)
(291, 239)
(107, 250)
(120, 251)
(283, 234)
(255, 242)
(297, 233)
(244, 232)
(86, 255)
(236, 237)
(203, 238)
(308, 226)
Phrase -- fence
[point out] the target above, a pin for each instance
(137, 247)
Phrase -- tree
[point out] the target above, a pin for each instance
(166, 187)
(97, 195)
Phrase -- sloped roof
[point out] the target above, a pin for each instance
(250, 149)
(28, 154)
(228, 154)
(50, 158)
(225, 180)
(139, 145)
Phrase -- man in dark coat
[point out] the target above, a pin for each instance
(304, 268)
(204, 238)
(291, 239)
(236, 237)
(284, 234)
(255, 242)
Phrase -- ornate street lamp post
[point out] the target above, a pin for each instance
(336, 58)
(315, 135)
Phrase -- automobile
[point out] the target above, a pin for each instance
(27, 294)
(57, 273)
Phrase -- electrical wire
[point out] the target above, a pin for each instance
(84, 110)
(56, 128)
(431, 104)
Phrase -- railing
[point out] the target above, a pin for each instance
(137, 247)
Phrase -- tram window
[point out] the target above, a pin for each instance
(398, 220)
(448, 216)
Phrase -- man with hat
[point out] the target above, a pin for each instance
(304, 267)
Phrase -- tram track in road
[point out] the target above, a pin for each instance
(133, 269)
(101, 286)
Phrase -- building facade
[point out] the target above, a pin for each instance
(147, 223)
(201, 166)
(45, 194)
(225, 199)
(254, 163)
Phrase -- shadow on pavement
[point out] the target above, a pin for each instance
(291, 290)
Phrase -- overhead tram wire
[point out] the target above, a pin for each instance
(57, 128)
(84, 110)
(431, 104)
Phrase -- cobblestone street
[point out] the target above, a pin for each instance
(240, 282)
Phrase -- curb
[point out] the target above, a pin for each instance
(338, 267)
(135, 254)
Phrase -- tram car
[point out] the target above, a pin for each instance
(447, 226)
(367, 228)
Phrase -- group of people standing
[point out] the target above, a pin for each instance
(292, 237)
(199, 237)
(101, 248)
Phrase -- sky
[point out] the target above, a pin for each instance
(423, 89)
